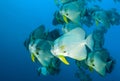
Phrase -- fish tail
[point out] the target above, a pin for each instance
(90, 42)
(109, 66)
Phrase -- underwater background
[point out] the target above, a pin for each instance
(18, 18)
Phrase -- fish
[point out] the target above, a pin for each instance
(73, 45)
(101, 17)
(40, 50)
(39, 44)
(72, 11)
(99, 62)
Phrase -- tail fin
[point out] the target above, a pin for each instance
(110, 66)
(90, 42)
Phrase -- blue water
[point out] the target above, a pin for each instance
(18, 18)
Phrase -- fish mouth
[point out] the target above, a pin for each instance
(53, 52)
(60, 57)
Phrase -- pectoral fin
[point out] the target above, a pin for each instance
(96, 22)
(33, 57)
(91, 69)
(65, 19)
(63, 59)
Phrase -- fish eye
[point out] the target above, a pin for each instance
(67, 14)
(37, 52)
(93, 65)
(64, 51)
